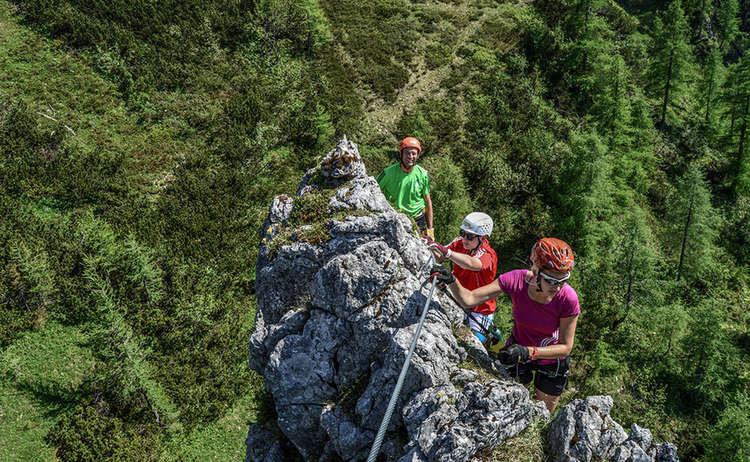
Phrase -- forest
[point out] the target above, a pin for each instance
(142, 143)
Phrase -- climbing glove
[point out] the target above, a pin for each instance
(430, 232)
(443, 274)
(438, 248)
(513, 354)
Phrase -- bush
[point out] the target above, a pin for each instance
(92, 432)
(729, 439)
(450, 201)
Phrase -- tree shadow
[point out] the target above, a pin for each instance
(51, 398)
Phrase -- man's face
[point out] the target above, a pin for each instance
(409, 157)
(469, 240)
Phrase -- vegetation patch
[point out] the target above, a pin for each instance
(528, 446)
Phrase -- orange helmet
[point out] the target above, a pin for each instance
(552, 254)
(410, 142)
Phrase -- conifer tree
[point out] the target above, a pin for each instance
(735, 96)
(714, 361)
(729, 439)
(635, 262)
(742, 100)
(694, 223)
(671, 55)
(727, 14)
(711, 80)
(611, 105)
(696, 13)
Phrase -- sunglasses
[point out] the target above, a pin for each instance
(468, 236)
(553, 281)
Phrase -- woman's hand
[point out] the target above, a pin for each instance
(513, 354)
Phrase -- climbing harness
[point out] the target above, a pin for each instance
(565, 363)
(394, 396)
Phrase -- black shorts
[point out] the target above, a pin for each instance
(421, 221)
(549, 378)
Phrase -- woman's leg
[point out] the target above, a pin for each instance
(549, 400)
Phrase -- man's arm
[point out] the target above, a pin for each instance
(466, 261)
(442, 252)
(428, 210)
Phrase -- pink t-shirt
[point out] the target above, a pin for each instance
(535, 324)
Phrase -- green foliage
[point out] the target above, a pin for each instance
(437, 55)
(694, 225)
(736, 238)
(134, 217)
(388, 23)
(40, 378)
(449, 197)
(93, 433)
(671, 56)
(135, 35)
(712, 81)
(729, 439)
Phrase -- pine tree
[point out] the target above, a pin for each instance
(743, 100)
(735, 97)
(729, 439)
(696, 13)
(671, 56)
(614, 104)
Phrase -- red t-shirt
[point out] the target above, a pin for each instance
(535, 324)
(473, 279)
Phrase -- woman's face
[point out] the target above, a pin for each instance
(552, 281)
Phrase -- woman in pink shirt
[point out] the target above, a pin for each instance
(545, 313)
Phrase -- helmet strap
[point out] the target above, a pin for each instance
(538, 282)
(479, 244)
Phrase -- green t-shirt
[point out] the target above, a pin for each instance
(405, 190)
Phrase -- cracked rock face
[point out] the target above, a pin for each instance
(584, 431)
(334, 324)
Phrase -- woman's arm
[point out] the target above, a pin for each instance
(471, 298)
(565, 343)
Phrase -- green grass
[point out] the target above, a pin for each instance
(527, 446)
(219, 441)
(40, 374)
(63, 84)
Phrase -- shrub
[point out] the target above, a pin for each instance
(450, 201)
(94, 431)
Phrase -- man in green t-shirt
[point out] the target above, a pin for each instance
(407, 185)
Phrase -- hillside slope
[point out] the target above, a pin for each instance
(141, 143)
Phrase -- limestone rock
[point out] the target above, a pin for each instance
(584, 431)
(263, 446)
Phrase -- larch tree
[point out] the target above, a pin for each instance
(713, 71)
(727, 17)
(694, 223)
(671, 56)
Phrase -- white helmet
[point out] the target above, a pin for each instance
(478, 223)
